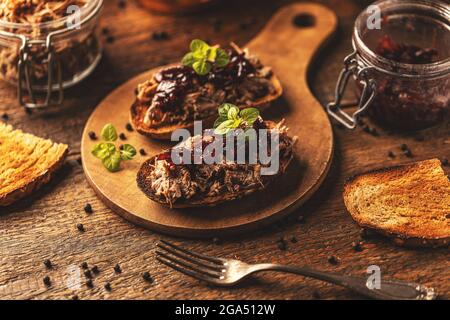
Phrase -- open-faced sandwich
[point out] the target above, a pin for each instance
(181, 182)
(208, 76)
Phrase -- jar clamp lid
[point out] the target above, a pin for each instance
(54, 83)
(418, 21)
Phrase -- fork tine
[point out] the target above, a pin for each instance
(191, 258)
(187, 272)
(195, 254)
(192, 266)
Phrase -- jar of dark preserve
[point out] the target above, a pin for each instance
(401, 68)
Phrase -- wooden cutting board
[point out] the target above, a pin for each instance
(288, 44)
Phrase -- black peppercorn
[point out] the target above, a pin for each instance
(408, 153)
(88, 274)
(444, 162)
(294, 239)
(47, 281)
(301, 219)
(216, 240)
(92, 135)
(122, 4)
(95, 270)
(357, 246)
(122, 136)
(129, 127)
(147, 277)
(142, 152)
(89, 284)
(110, 39)
(88, 208)
(80, 227)
(117, 268)
(84, 265)
(391, 154)
(48, 264)
(5, 117)
(333, 260)
(404, 147)
(281, 243)
(108, 286)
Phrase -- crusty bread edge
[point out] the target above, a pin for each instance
(210, 201)
(13, 196)
(398, 239)
(165, 133)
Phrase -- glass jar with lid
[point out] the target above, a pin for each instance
(401, 65)
(47, 46)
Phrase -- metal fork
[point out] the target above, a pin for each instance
(228, 272)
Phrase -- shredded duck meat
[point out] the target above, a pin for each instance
(178, 182)
(36, 11)
(176, 95)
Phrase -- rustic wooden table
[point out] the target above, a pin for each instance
(44, 226)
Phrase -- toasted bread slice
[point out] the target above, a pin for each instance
(208, 201)
(138, 109)
(410, 203)
(26, 163)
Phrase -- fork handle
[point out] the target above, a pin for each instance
(388, 289)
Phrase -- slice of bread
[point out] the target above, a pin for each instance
(26, 163)
(410, 203)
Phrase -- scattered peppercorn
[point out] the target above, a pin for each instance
(404, 147)
(161, 35)
(105, 31)
(301, 219)
(80, 227)
(282, 244)
(294, 239)
(88, 274)
(110, 39)
(89, 284)
(147, 277)
(48, 264)
(84, 265)
(122, 4)
(92, 135)
(408, 153)
(391, 154)
(142, 152)
(117, 268)
(5, 117)
(88, 208)
(216, 241)
(333, 260)
(108, 286)
(47, 281)
(357, 246)
(122, 136)
(129, 127)
(95, 270)
(444, 162)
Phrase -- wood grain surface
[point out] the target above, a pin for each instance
(44, 226)
(304, 116)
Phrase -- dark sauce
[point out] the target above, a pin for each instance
(404, 105)
(405, 53)
(175, 82)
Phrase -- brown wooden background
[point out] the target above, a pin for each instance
(44, 226)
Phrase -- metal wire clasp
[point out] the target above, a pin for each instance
(24, 74)
(368, 92)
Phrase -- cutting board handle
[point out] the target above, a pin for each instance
(293, 36)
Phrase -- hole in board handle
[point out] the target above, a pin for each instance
(304, 20)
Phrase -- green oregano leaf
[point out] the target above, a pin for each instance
(109, 133)
(203, 57)
(127, 152)
(103, 149)
(230, 117)
(112, 162)
(249, 115)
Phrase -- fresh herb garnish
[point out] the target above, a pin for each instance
(230, 118)
(203, 57)
(107, 152)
